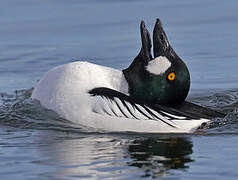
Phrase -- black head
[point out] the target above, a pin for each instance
(163, 79)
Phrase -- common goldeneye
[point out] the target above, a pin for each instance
(148, 96)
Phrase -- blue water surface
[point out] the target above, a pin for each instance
(35, 36)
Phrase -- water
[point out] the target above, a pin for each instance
(36, 143)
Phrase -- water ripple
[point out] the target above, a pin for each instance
(20, 111)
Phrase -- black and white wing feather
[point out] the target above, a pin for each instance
(113, 103)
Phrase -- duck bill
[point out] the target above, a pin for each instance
(146, 43)
(160, 41)
(136, 69)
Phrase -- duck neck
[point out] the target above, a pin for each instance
(116, 80)
(123, 84)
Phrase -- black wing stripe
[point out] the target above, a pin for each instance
(151, 113)
(148, 110)
(173, 116)
(170, 116)
(142, 112)
(166, 115)
(104, 109)
(113, 109)
(120, 108)
(184, 114)
(186, 109)
(114, 112)
(129, 110)
(174, 111)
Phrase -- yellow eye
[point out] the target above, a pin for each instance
(171, 76)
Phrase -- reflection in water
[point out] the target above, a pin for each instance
(83, 156)
(156, 156)
(104, 156)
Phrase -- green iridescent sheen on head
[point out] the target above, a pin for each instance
(153, 84)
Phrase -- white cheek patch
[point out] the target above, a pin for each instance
(159, 65)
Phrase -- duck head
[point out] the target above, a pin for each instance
(163, 79)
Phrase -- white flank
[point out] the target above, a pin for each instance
(159, 65)
(64, 89)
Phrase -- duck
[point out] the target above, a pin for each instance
(147, 97)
